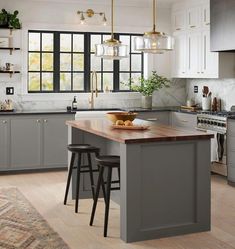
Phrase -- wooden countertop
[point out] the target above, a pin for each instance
(156, 133)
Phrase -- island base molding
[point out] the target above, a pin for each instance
(165, 186)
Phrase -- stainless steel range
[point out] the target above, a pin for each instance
(216, 123)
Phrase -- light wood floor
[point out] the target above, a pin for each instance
(45, 191)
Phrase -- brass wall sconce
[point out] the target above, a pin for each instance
(90, 13)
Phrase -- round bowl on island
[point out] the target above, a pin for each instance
(114, 116)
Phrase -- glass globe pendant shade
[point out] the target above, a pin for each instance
(111, 49)
(154, 42)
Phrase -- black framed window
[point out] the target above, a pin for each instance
(64, 62)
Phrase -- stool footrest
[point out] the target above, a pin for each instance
(117, 188)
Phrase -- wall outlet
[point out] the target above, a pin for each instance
(195, 88)
(9, 90)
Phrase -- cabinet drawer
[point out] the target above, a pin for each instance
(231, 143)
(157, 117)
(184, 120)
(231, 127)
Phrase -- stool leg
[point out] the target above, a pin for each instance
(78, 181)
(69, 177)
(103, 186)
(101, 171)
(107, 201)
(91, 175)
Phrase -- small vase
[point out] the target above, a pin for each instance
(146, 102)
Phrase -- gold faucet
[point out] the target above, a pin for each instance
(93, 78)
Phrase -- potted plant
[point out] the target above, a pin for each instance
(13, 20)
(3, 19)
(148, 86)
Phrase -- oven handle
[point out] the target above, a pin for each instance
(200, 129)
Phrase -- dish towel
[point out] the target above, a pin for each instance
(214, 147)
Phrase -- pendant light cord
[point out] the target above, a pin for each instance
(154, 15)
(112, 10)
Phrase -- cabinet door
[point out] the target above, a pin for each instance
(206, 15)
(179, 20)
(210, 60)
(25, 143)
(4, 143)
(179, 56)
(193, 18)
(55, 140)
(156, 117)
(194, 55)
(184, 120)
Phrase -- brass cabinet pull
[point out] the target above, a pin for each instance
(184, 121)
(4, 121)
(192, 26)
(45, 120)
(38, 121)
(178, 29)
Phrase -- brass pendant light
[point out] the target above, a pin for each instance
(111, 49)
(154, 42)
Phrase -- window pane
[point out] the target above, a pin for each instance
(47, 42)
(65, 62)
(108, 81)
(133, 46)
(78, 62)
(107, 65)
(65, 42)
(98, 81)
(65, 81)
(34, 82)
(34, 61)
(125, 39)
(47, 62)
(135, 77)
(47, 81)
(78, 81)
(125, 64)
(124, 81)
(34, 41)
(95, 63)
(136, 62)
(95, 39)
(78, 43)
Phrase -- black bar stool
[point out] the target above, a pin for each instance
(80, 149)
(108, 162)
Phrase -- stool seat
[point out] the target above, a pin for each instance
(108, 161)
(82, 148)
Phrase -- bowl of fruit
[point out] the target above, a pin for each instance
(120, 118)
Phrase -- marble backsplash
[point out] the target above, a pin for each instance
(173, 96)
(223, 89)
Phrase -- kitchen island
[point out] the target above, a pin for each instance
(165, 177)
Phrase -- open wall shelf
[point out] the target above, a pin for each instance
(10, 29)
(9, 72)
(10, 49)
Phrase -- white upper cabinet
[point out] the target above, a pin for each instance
(205, 15)
(179, 20)
(179, 58)
(192, 57)
(194, 18)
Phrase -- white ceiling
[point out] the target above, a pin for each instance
(162, 3)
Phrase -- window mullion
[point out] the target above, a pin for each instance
(56, 62)
(87, 61)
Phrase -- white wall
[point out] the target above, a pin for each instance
(61, 15)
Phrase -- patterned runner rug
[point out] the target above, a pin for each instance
(21, 226)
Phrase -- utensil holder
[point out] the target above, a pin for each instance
(206, 103)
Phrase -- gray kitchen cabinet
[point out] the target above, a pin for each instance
(4, 143)
(231, 151)
(157, 117)
(184, 120)
(55, 139)
(33, 141)
(25, 142)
